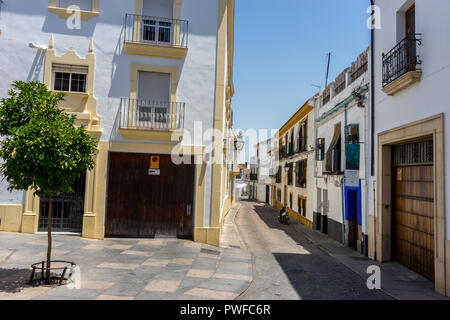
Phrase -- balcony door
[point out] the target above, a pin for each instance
(410, 31)
(153, 104)
(157, 22)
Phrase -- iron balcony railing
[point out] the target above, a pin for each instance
(156, 31)
(401, 59)
(151, 115)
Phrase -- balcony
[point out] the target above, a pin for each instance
(400, 65)
(151, 120)
(155, 36)
(282, 153)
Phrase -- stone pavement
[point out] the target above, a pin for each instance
(143, 269)
(230, 235)
(397, 281)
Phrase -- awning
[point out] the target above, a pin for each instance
(334, 141)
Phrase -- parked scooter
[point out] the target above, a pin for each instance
(284, 217)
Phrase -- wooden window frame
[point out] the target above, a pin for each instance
(302, 206)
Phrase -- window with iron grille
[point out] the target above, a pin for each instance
(320, 149)
(352, 134)
(290, 173)
(303, 137)
(300, 172)
(291, 144)
(413, 153)
(278, 175)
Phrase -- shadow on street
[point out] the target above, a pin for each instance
(14, 280)
(312, 273)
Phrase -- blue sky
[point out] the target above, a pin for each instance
(280, 50)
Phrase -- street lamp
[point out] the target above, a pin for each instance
(287, 166)
(239, 142)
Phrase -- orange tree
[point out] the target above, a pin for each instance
(41, 148)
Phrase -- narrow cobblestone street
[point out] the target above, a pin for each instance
(287, 264)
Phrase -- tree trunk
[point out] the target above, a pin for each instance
(49, 236)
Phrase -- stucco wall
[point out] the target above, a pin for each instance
(112, 75)
(325, 129)
(429, 97)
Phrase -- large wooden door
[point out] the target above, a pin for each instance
(143, 205)
(413, 210)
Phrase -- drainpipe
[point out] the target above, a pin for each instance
(343, 179)
(372, 95)
(372, 125)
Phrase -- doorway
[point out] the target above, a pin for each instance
(67, 209)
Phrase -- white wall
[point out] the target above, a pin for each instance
(325, 129)
(430, 96)
(26, 21)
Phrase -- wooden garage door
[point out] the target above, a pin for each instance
(413, 194)
(143, 205)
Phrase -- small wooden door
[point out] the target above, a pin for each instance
(144, 205)
(413, 207)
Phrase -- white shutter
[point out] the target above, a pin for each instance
(85, 5)
(154, 86)
(158, 8)
(57, 67)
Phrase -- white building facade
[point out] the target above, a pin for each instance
(411, 154)
(264, 166)
(341, 174)
(148, 79)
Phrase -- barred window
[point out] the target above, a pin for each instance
(300, 172)
(320, 149)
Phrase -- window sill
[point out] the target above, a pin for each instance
(145, 49)
(63, 13)
(406, 80)
(72, 93)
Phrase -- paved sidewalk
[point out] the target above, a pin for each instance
(230, 235)
(396, 280)
(144, 269)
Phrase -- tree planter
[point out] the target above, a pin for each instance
(59, 270)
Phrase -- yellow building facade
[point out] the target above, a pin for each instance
(210, 169)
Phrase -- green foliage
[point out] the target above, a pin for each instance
(42, 148)
(25, 98)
